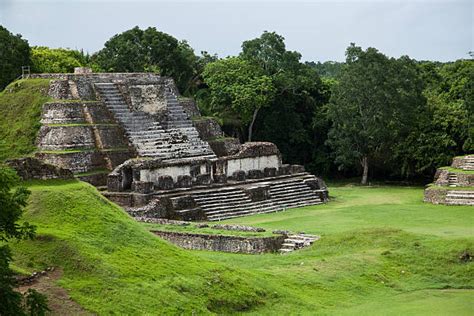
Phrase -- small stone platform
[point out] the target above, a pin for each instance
(453, 185)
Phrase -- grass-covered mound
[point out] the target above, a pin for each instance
(382, 252)
(113, 265)
(20, 111)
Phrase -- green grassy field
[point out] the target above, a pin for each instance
(382, 252)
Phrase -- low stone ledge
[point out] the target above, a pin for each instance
(241, 228)
(208, 128)
(225, 146)
(144, 187)
(294, 169)
(435, 195)
(233, 244)
(258, 192)
(31, 168)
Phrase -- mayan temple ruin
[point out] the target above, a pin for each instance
(149, 150)
(453, 185)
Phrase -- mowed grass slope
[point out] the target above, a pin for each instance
(113, 265)
(383, 252)
(20, 110)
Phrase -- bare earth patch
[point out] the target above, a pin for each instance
(59, 302)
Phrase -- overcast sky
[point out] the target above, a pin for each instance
(319, 30)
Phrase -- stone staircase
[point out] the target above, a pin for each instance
(297, 241)
(460, 197)
(468, 163)
(230, 202)
(179, 139)
(452, 179)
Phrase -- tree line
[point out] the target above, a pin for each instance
(371, 116)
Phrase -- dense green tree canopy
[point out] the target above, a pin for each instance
(236, 83)
(14, 53)
(444, 128)
(56, 60)
(148, 50)
(373, 107)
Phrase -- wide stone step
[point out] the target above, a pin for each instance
(236, 205)
(218, 194)
(460, 196)
(219, 191)
(459, 201)
(293, 195)
(262, 210)
(283, 190)
(221, 217)
(219, 197)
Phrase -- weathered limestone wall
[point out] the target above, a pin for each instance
(83, 161)
(31, 168)
(152, 175)
(189, 107)
(234, 244)
(251, 163)
(225, 146)
(73, 112)
(147, 98)
(463, 179)
(65, 137)
(80, 135)
(208, 128)
(458, 162)
(435, 196)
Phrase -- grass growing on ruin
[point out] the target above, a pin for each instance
(457, 170)
(433, 186)
(193, 229)
(113, 265)
(20, 111)
(382, 251)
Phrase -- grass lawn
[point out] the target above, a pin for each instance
(382, 252)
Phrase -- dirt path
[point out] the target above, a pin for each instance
(59, 301)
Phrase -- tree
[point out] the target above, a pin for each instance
(56, 60)
(328, 69)
(12, 202)
(443, 128)
(235, 83)
(14, 53)
(373, 107)
(148, 50)
(299, 95)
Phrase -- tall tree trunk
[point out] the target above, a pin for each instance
(254, 117)
(365, 172)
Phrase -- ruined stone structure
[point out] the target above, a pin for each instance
(234, 244)
(156, 155)
(453, 185)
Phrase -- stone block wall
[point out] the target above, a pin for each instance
(208, 128)
(225, 146)
(65, 137)
(234, 244)
(435, 195)
(80, 135)
(84, 161)
(73, 112)
(189, 107)
(31, 168)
